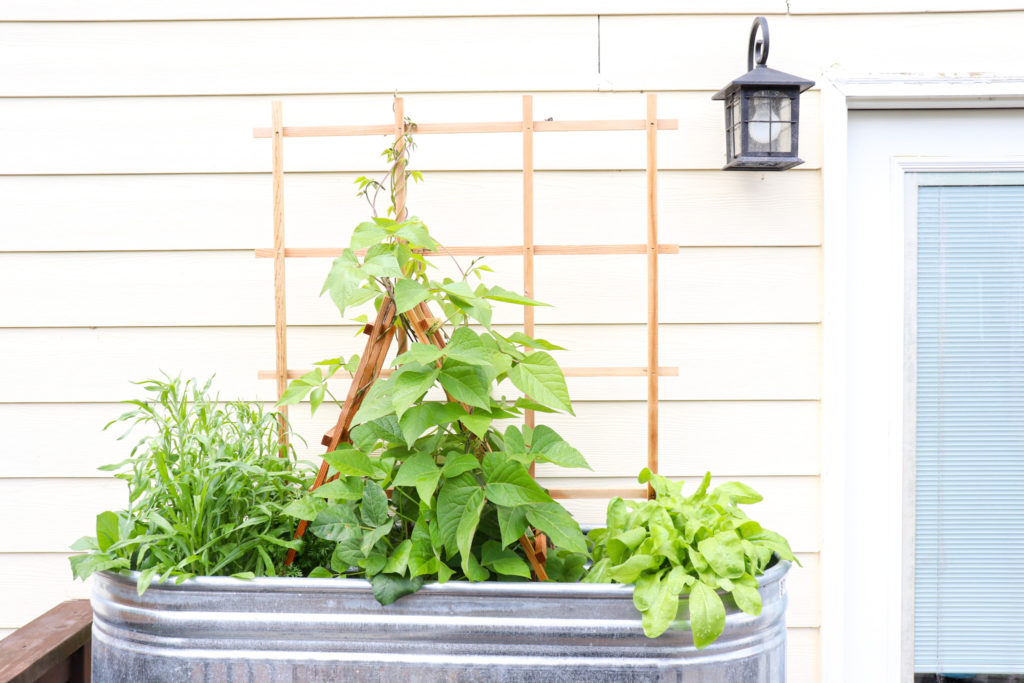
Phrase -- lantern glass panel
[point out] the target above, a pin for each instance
(735, 125)
(769, 122)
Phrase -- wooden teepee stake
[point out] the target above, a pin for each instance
(370, 364)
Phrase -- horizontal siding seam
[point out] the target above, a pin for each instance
(631, 13)
(298, 93)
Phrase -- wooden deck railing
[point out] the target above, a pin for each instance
(55, 648)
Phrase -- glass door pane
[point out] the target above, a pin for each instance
(969, 566)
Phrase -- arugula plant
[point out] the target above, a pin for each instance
(697, 545)
(206, 491)
(461, 495)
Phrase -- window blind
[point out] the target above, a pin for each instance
(969, 554)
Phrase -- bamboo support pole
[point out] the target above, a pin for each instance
(652, 286)
(280, 324)
(398, 177)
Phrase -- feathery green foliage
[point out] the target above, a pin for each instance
(206, 490)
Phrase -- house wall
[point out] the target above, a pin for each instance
(134, 194)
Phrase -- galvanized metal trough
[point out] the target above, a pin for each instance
(313, 630)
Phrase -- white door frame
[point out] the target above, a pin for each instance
(842, 575)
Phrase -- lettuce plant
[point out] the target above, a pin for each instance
(695, 545)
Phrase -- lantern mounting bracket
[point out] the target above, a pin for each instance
(762, 111)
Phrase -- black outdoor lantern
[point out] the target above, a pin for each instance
(762, 112)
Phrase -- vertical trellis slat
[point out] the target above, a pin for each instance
(280, 329)
(652, 285)
(528, 327)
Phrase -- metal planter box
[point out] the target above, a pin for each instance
(310, 630)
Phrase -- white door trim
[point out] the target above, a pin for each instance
(841, 574)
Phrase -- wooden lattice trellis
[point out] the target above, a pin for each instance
(382, 330)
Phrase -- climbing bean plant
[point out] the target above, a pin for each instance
(439, 433)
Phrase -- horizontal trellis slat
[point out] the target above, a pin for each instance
(594, 371)
(538, 250)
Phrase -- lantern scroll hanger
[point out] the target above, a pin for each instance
(758, 49)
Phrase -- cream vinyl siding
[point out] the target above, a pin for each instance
(121, 289)
(692, 52)
(203, 211)
(133, 194)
